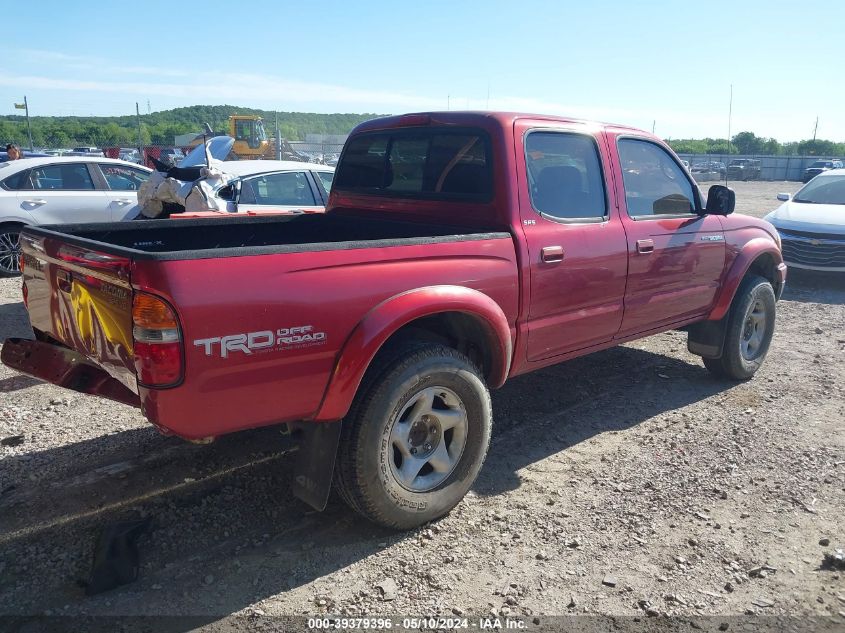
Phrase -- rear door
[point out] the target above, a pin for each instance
(122, 183)
(576, 242)
(676, 256)
(285, 191)
(63, 193)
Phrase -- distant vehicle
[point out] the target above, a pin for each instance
(85, 151)
(811, 223)
(252, 142)
(63, 190)
(26, 154)
(710, 166)
(744, 169)
(131, 155)
(171, 155)
(818, 167)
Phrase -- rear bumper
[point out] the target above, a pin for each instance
(61, 366)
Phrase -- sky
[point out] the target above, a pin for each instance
(667, 65)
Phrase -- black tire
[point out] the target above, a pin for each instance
(10, 250)
(370, 458)
(750, 327)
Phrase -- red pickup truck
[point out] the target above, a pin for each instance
(457, 250)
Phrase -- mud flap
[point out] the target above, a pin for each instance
(312, 481)
(707, 338)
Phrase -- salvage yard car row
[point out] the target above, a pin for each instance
(63, 190)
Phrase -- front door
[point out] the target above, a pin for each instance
(676, 255)
(281, 192)
(63, 193)
(576, 243)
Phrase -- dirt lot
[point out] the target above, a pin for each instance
(629, 482)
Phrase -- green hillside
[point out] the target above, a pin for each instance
(160, 127)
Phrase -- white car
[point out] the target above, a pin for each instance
(811, 223)
(268, 187)
(276, 185)
(63, 190)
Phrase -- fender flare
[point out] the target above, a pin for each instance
(385, 319)
(750, 252)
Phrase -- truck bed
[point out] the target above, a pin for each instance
(279, 276)
(204, 238)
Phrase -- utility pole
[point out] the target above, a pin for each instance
(28, 127)
(278, 139)
(653, 125)
(815, 129)
(140, 139)
(730, 113)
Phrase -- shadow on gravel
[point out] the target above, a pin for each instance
(226, 532)
(14, 321)
(609, 391)
(18, 382)
(815, 287)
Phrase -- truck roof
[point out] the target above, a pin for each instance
(479, 118)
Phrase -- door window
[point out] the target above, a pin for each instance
(326, 178)
(565, 177)
(73, 177)
(654, 183)
(283, 189)
(122, 178)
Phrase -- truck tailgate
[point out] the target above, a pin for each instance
(82, 299)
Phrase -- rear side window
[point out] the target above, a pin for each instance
(68, 177)
(424, 163)
(564, 173)
(19, 180)
(122, 178)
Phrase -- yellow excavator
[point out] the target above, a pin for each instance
(252, 142)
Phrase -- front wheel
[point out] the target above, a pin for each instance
(10, 250)
(415, 438)
(751, 324)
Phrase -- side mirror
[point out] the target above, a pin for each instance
(784, 197)
(720, 200)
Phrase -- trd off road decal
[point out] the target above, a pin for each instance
(263, 341)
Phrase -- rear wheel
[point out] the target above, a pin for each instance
(10, 250)
(751, 325)
(415, 438)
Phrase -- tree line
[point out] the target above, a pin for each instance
(160, 128)
(748, 143)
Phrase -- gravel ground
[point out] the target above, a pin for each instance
(628, 482)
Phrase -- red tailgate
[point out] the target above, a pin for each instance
(82, 298)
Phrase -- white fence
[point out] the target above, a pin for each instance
(771, 167)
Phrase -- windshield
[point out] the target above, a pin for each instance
(823, 190)
(821, 163)
(220, 147)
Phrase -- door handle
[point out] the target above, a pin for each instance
(122, 201)
(36, 203)
(552, 254)
(645, 246)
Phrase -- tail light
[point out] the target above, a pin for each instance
(158, 358)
